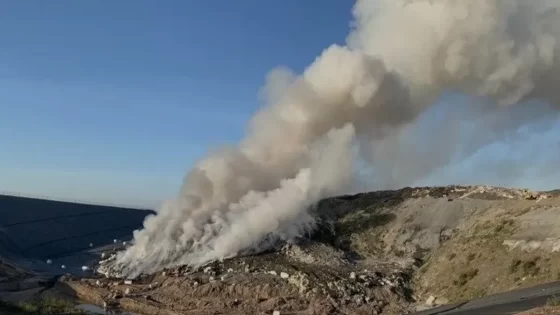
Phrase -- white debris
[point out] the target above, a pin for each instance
(211, 279)
(150, 286)
(164, 274)
(104, 304)
(352, 275)
(128, 282)
(230, 270)
(85, 268)
(127, 291)
(115, 241)
(284, 275)
(63, 266)
(223, 278)
(430, 301)
(207, 269)
(273, 273)
(195, 284)
(102, 255)
(124, 243)
(49, 261)
(276, 313)
(97, 283)
(90, 244)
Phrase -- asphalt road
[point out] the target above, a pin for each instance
(33, 231)
(511, 302)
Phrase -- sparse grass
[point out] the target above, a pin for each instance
(530, 267)
(504, 226)
(46, 306)
(465, 277)
(514, 266)
(553, 301)
(478, 293)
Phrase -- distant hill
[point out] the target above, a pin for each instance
(38, 228)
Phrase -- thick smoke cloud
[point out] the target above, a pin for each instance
(360, 103)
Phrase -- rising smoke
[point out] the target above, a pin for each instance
(359, 103)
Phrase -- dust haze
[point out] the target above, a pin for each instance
(359, 107)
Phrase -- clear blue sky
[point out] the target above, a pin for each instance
(113, 101)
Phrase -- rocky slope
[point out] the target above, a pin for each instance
(388, 252)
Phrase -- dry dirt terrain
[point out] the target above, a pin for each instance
(385, 252)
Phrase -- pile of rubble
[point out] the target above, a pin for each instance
(303, 277)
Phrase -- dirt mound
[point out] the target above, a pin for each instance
(303, 277)
(389, 252)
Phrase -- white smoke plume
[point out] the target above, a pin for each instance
(356, 103)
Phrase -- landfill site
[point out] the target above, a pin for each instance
(309, 209)
(374, 253)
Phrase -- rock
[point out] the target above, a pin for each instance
(352, 275)
(273, 273)
(284, 275)
(431, 301)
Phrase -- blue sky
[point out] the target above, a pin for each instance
(113, 101)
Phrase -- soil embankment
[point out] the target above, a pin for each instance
(385, 252)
